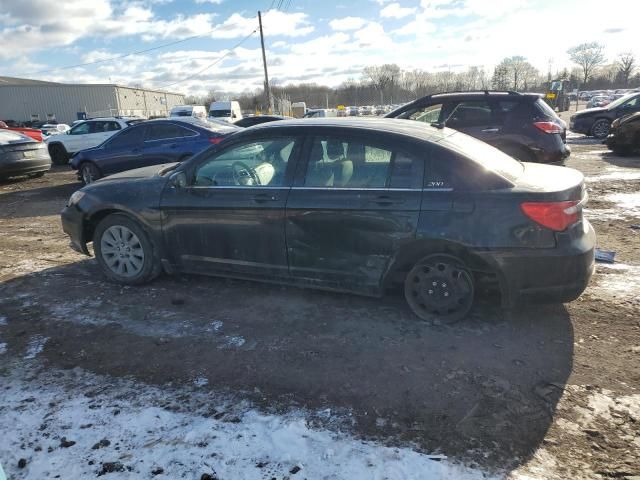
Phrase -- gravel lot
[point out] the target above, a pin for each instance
(549, 392)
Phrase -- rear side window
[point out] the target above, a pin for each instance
(164, 131)
(355, 163)
(470, 114)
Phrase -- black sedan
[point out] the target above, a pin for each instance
(624, 138)
(596, 122)
(352, 205)
(148, 143)
(22, 156)
(257, 120)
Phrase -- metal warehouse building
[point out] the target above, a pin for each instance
(23, 100)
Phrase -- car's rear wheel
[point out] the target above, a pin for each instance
(124, 251)
(440, 287)
(58, 154)
(89, 173)
(600, 128)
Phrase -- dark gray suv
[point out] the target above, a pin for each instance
(520, 124)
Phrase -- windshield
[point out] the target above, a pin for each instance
(489, 157)
(219, 113)
(620, 101)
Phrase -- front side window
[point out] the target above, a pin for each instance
(261, 163)
(111, 126)
(129, 137)
(428, 114)
(81, 129)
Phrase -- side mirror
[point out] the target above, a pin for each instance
(178, 180)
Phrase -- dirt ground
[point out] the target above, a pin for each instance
(549, 392)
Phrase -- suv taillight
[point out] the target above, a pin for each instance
(549, 127)
(554, 215)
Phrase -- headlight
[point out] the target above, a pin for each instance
(75, 198)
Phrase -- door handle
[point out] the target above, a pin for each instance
(491, 130)
(387, 201)
(264, 197)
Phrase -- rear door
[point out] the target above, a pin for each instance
(166, 142)
(354, 203)
(475, 118)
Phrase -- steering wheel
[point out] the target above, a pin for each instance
(241, 171)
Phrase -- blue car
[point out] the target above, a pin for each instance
(148, 143)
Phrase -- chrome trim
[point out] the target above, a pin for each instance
(237, 187)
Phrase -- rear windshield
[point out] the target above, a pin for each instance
(484, 154)
(546, 109)
(219, 113)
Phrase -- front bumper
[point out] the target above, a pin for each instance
(72, 225)
(556, 275)
(581, 126)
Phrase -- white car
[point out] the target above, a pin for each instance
(86, 134)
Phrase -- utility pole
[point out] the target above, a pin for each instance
(267, 89)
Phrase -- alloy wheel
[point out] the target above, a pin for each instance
(122, 251)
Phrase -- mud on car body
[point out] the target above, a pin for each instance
(351, 205)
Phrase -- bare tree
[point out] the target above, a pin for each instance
(383, 77)
(515, 73)
(500, 80)
(626, 65)
(588, 56)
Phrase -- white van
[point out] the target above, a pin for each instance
(321, 113)
(196, 111)
(227, 111)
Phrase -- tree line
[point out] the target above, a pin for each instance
(389, 84)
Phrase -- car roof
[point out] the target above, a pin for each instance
(418, 130)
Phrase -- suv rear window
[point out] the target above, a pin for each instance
(485, 155)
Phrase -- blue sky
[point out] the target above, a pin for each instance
(307, 40)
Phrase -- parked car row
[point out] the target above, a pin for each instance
(597, 121)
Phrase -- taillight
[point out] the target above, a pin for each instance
(554, 215)
(215, 140)
(549, 127)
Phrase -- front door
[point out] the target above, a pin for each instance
(122, 151)
(230, 217)
(352, 209)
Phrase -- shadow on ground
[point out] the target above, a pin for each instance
(489, 384)
(628, 161)
(36, 202)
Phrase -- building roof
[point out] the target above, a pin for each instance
(24, 81)
(14, 81)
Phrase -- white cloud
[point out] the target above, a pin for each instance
(347, 23)
(394, 10)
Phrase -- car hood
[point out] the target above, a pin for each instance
(628, 118)
(590, 111)
(138, 173)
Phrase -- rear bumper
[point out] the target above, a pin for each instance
(24, 167)
(72, 225)
(556, 275)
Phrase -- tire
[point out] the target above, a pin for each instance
(89, 173)
(600, 129)
(440, 287)
(58, 154)
(124, 252)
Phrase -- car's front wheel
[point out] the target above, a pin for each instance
(440, 287)
(89, 173)
(58, 154)
(124, 251)
(600, 128)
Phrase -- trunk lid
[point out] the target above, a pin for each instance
(550, 183)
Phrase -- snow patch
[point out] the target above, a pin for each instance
(35, 346)
(3, 321)
(201, 382)
(233, 341)
(144, 437)
(3, 348)
(614, 174)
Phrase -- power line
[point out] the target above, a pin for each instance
(125, 55)
(212, 64)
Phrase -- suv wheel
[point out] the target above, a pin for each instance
(600, 128)
(124, 251)
(89, 173)
(439, 287)
(58, 154)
